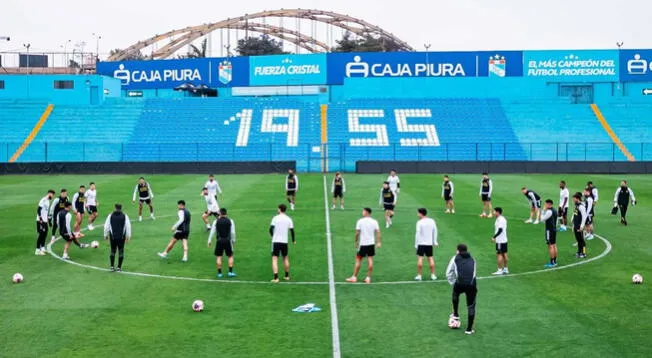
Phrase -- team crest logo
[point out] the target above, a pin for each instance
(497, 65)
(225, 72)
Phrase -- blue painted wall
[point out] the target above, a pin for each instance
(41, 87)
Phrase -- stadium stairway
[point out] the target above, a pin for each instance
(17, 119)
(632, 122)
(85, 133)
(560, 131)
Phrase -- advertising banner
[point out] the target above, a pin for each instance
(572, 65)
(636, 65)
(287, 70)
(400, 64)
(165, 74)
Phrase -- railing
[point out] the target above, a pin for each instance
(309, 156)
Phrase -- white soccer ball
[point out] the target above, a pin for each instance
(95, 244)
(198, 306)
(454, 323)
(637, 279)
(17, 278)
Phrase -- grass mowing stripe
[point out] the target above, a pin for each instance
(335, 327)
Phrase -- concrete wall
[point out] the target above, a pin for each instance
(87, 88)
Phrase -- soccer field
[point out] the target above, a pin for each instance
(584, 308)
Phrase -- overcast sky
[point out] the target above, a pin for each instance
(447, 25)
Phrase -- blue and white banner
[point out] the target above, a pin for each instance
(400, 64)
(165, 74)
(287, 70)
(500, 64)
(572, 65)
(636, 65)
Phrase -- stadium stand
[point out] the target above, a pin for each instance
(196, 129)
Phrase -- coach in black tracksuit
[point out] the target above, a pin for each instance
(117, 228)
(461, 274)
(621, 199)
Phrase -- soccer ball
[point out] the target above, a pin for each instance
(17, 278)
(454, 323)
(95, 244)
(198, 306)
(637, 279)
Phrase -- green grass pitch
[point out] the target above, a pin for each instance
(63, 310)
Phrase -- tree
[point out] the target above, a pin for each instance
(258, 46)
(366, 43)
(198, 52)
(133, 56)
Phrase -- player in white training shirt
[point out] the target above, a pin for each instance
(367, 239)
(278, 229)
(213, 187)
(91, 205)
(42, 212)
(424, 241)
(564, 201)
(212, 207)
(500, 238)
(394, 181)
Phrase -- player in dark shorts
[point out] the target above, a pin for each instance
(486, 188)
(535, 205)
(79, 208)
(447, 191)
(338, 189)
(181, 231)
(145, 195)
(549, 217)
(57, 205)
(224, 229)
(64, 221)
(291, 188)
(388, 201)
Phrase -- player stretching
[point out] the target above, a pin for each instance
(42, 222)
(213, 187)
(338, 189)
(621, 201)
(549, 216)
(424, 240)
(447, 191)
(486, 187)
(564, 201)
(181, 231)
(388, 201)
(535, 205)
(145, 196)
(461, 275)
(57, 205)
(278, 229)
(64, 221)
(79, 208)
(212, 207)
(91, 205)
(589, 203)
(500, 238)
(579, 220)
(291, 188)
(224, 228)
(367, 239)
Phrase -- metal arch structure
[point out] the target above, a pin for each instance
(183, 37)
